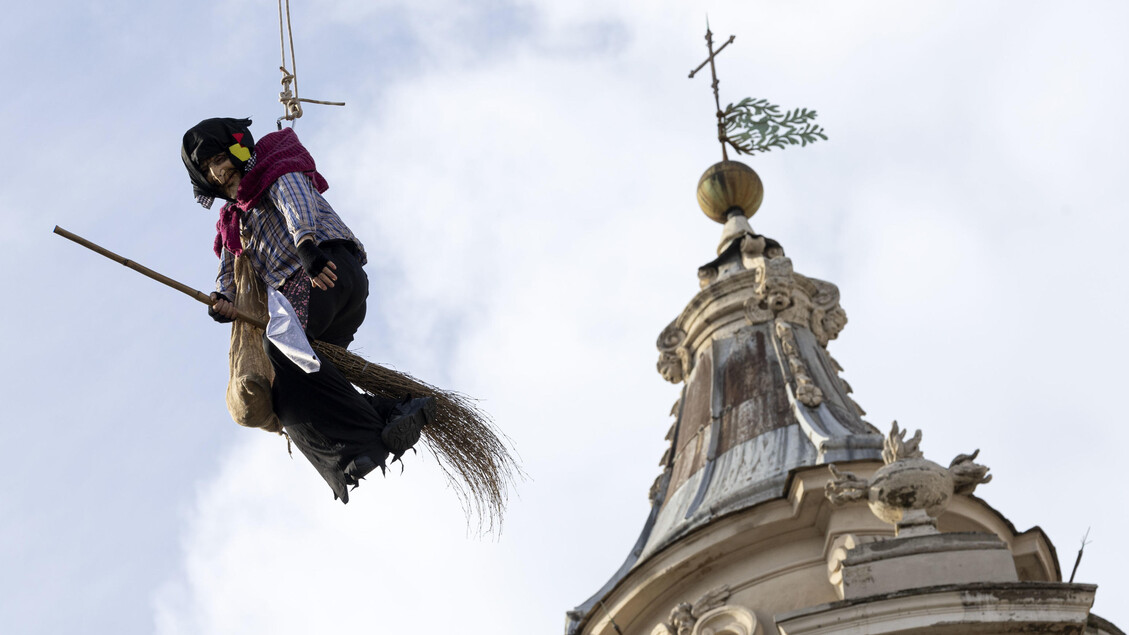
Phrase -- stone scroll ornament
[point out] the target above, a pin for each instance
(674, 357)
(684, 616)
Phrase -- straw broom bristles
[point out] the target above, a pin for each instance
(476, 461)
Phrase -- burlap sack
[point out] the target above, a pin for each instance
(248, 388)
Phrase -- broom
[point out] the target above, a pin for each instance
(475, 460)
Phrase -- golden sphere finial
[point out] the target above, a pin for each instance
(729, 186)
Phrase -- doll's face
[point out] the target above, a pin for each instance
(221, 172)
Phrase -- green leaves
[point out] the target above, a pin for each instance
(754, 125)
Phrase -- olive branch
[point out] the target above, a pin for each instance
(754, 125)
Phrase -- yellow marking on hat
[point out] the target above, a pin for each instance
(239, 151)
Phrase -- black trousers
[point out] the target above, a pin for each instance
(325, 417)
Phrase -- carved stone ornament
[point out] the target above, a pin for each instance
(774, 282)
(795, 298)
(798, 311)
(706, 276)
(674, 357)
(908, 492)
(751, 247)
(837, 552)
(778, 292)
(806, 391)
(827, 317)
(755, 314)
(727, 620)
(685, 616)
(670, 367)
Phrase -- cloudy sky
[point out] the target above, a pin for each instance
(523, 174)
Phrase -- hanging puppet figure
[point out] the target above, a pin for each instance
(296, 243)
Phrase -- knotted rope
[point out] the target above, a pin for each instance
(289, 98)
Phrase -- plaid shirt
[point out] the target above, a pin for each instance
(291, 210)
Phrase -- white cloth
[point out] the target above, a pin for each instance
(285, 332)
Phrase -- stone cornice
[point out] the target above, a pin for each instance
(1012, 607)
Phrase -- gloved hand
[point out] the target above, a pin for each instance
(221, 310)
(312, 257)
(316, 264)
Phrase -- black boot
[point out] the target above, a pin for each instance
(359, 468)
(405, 423)
(384, 406)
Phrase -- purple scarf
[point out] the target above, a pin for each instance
(276, 154)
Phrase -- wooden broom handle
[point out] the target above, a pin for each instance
(200, 296)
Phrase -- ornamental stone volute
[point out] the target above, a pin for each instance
(674, 359)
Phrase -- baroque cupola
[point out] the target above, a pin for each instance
(761, 394)
(781, 511)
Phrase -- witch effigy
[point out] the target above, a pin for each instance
(291, 283)
(278, 231)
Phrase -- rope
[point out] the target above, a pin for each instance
(290, 99)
